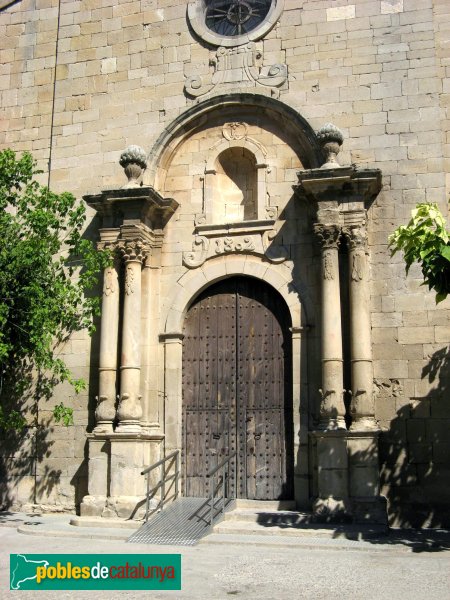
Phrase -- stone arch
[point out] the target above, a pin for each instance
(295, 129)
(256, 149)
(194, 282)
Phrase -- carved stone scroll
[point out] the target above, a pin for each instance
(242, 64)
(261, 243)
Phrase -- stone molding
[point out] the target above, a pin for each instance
(235, 136)
(278, 276)
(244, 103)
(6, 3)
(247, 237)
(122, 207)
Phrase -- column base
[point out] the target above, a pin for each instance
(103, 428)
(364, 424)
(133, 427)
(332, 424)
(347, 477)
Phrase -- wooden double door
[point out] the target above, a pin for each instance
(237, 390)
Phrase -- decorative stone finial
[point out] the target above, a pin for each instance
(331, 139)
(134, 161)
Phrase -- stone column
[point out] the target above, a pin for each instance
(362, 405)
(106, 411)
(130, 410)
(332, 409)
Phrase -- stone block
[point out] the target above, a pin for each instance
(416, 431)
(441, 453)
(385, 409)
(439, 406)
(437, 430)
(410, 335)
(391, 369)
(363, 450)
(420, 453)
(332, 482)
(332, 453)
(92, 506)
(364, 481)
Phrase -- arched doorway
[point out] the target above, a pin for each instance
(237, 389)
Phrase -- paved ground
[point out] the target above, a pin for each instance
(399, 567)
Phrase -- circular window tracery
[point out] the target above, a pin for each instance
(235, 17)
(233, 22)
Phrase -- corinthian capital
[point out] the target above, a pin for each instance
(328, 235)
(356, 236)
(133, 250)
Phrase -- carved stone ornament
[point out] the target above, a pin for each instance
(260, 244)
(199, 254)
(331, 139)
(356, 236)
(129, 280)
(276, 253)
(357, 241)
(229, 244)
(105, 411)
(388, 388)
(235, 131)
(241, 65)
(200, 219)
(271, 212)
(133, 250)
(358, 267)
(129, 409)
(134, 161)
(328, 235)
(109, 282)
(328, 272)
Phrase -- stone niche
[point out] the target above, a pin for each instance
(233, 179)
(235, 190)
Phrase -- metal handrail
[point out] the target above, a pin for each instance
(160, 462)
(164, 478)
(224, 465)
(219, 466)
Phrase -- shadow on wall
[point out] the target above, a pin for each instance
(46, 463)
(415, 450)
(22, 480)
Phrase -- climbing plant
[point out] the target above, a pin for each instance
(47, 271)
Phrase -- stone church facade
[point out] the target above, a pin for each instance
(253, 307)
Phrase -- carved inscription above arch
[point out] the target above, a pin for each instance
(258, 238)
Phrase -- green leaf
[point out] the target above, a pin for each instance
(48, 272)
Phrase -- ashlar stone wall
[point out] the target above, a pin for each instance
(81, 80)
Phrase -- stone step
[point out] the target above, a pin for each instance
(266, 517)
(302, 530)
(242, 503)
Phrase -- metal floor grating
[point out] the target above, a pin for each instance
(182, 523)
